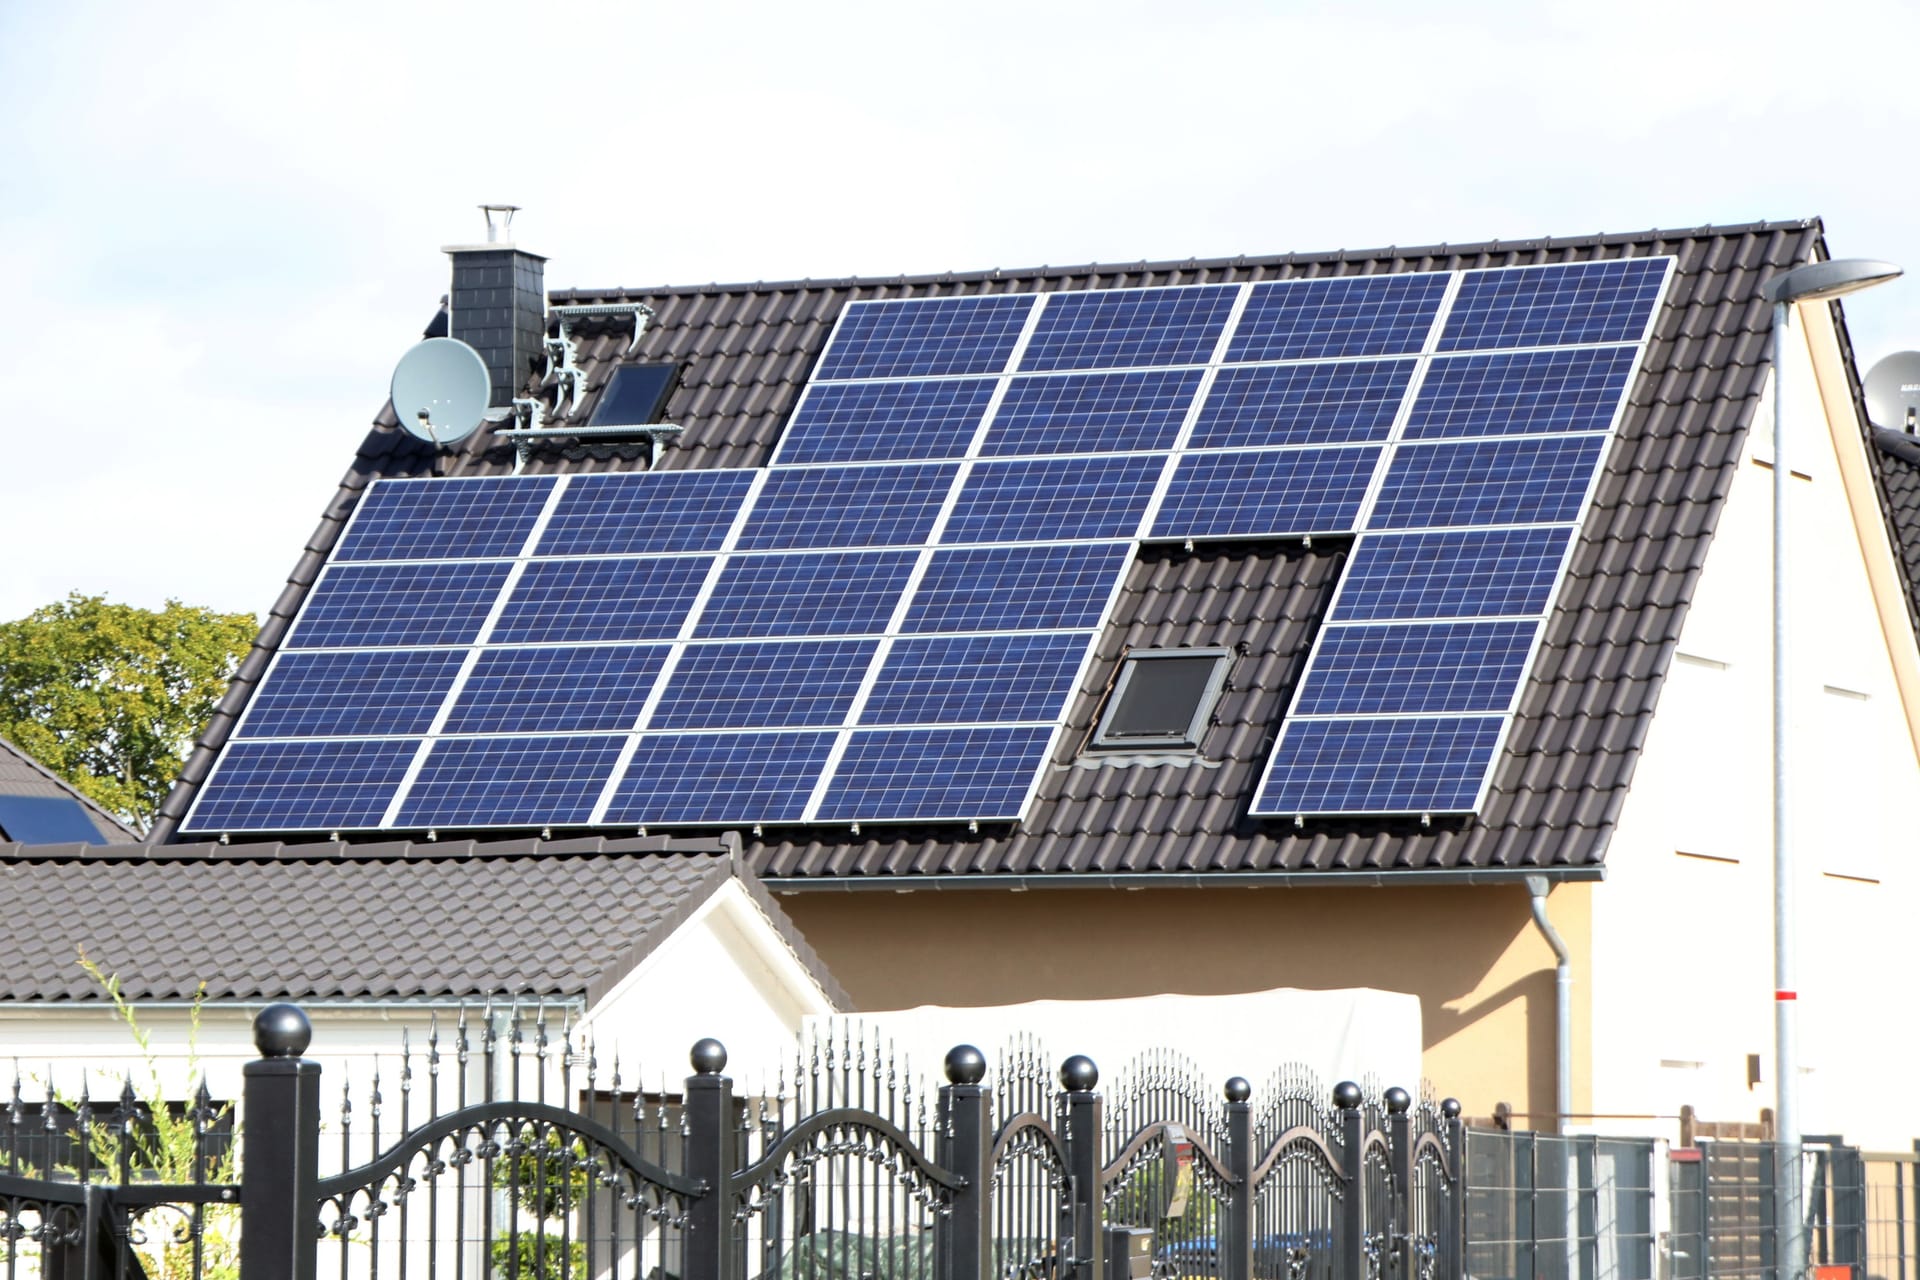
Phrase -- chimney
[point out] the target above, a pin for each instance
(498, 304)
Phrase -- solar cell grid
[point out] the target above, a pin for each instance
(1529, 391)
(873, 506)
(1440, 666)
(925, 337)
(1420, 764)
(349, 695)
(1053, 498)
(293, 786)
(1017, 588)
(872, 421)
(806, 594)
(975, 679)
(773, 685)
(468, 518)
(1452, 574)
(1127, 328)
(1302, 404)
(636, 513)
(1342, 316)
(1093, 413)
(501, 782)
(720, 777)
(1518, 481)
(570, 601)
(1291, 492)
(928, 774)
(551, 689)
(1554, 305)
(387, 605)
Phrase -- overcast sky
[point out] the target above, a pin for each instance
(221, 224)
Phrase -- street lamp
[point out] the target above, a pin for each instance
(1814, 282)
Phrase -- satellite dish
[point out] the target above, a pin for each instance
(440, 390)
(1893, 392)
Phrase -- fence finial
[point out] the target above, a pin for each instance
(1398, 1100)
(965, 1065)
(1078, 1074)
(1346, 1095)
(1238, 1090)
(709, 1057)
(281, 1031)
(1450, 1108)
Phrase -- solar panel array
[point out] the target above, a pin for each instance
(889, 621)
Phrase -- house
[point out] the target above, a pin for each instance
(37, 807)
(1617, 840)
(636, 947)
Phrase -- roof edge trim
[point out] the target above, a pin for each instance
(1177, 880)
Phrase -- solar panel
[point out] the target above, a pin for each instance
(1018, 588)
(569, 601)
(46, 820)
(556, 690)
(776, 684)
(975, 679)
(644, 512)
(1302, 404)
(1129, 328)
(1523, 392)
(1289, 491)
(925, 337)
(503, 782)
(1341, 316)
(351, 694)
(720, 777)
(810, 593)
(1075, 499)
(1453, 574)
(1514, 481)
(872, 421)
(929, 774)
(1093, 413)
(1419, 764)
(387, 605)
(1427, 666)
(1554, 305)
(302, 786)
(876, 506)
(466, 518)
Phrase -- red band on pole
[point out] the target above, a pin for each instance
(1786, 995)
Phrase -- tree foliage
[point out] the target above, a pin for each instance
(110, 696)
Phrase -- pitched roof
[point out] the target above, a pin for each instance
(1584, 711)
(22, 775)
(397, 920)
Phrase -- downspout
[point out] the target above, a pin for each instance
(1562, 1004)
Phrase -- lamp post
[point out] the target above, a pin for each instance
(1814, 282)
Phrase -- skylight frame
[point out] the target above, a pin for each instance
(1135, 662)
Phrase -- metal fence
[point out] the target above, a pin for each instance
(502, 1152)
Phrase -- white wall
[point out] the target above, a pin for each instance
(1682, 963)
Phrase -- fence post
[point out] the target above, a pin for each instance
(280, 1150)
(1236, 1235)
(711, 1158)
(963, 1240)
(1400, 1199)
(1078, 1076)
(1453, 1246)
(1350, 1259)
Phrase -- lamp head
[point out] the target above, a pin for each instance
(1820, 280)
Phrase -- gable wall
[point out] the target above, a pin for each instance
(1682, 965)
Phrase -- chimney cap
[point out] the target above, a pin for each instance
(500, 231)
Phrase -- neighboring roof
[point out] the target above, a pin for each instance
(22, 775)
(398, 920)
(1896, 457)
(1583, 714)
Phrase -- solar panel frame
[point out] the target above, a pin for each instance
(1569, 389)
(408, 518)
(1380, 765)
(1416, 668)
(806, 593)
(1287, 319)
(1077, 499)
(961, 774)
(576, 601)
(1129, 328)
(691, 778)
(891, 338)
(884, 421)
(510, 781)
(988, 679)
(1135, 410)
(1308, 491)
(1065, 587)
(876, 505)
(1480, 573)
(556, 689)
(1495, 481)
(1257, 405)
(390, 606)
(773, 684)
(350, 693)
(334, 784)
(1557, 304)
(624, 513)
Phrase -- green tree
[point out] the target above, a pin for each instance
(110, 696)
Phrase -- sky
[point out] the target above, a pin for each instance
(221, 224)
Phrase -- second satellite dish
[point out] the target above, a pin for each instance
(440, 390)
(1893, 391)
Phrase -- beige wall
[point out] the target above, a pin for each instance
(1483, 974)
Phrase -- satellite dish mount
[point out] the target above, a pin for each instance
(440, 391)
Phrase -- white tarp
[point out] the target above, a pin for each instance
(1339, 1035)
